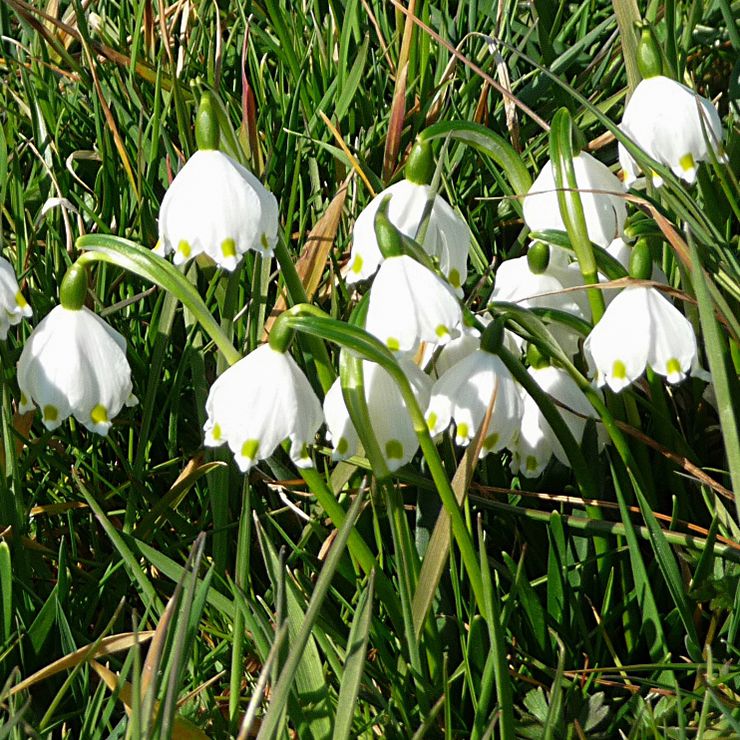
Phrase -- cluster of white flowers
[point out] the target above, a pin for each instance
(75, 364)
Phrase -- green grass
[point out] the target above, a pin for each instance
(299, 603)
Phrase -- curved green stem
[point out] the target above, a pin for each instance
(144, 263)
(571, 208)
(311, 320)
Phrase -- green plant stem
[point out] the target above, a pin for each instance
(297, 295)
(312, 320)
(627, 13)
(241, 579)
(357, 545)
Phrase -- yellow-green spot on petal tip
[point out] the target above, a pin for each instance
(249, 448)
(228, 248)
(687, 162)
(463, 430)
(442, 331)
(51, 413)
(20, 301)
(673, 366)
(454, 278)
(265, 244)
(342, 446)
(393, 344)
(432, 420)
(184, 248)
(531, 462)
(356, 266)
(619, 371)
(393, 449)
(490, 441)
(24, 399)
(99, 414)
(216, 432)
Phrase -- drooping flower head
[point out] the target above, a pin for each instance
(669, 121)
(536, 442)
(605, 211)
(13, 306)
(74, 364)
(640, 328)
(258, 402)
(216, 207)
(447, 236)
(463, 394)
(410, 304)
(389, 416)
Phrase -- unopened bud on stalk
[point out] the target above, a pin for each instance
(206, 123)
(420, 164)
(538, 257)
(641, 261)
(649, 57)
(74, 288)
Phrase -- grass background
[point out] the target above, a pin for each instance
(623, 623)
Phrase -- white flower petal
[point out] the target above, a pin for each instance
(75, 363)
(605, 212)
(217, 207)
(665, 119)
(463, 394)
(673, 351)
(257, 403)
(409, 304)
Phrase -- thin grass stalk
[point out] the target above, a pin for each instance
(241, 580)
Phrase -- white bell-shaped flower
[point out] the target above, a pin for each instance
(217, 207)
(462, 395)
(74, 364)
(604, 211)
(258, 402)
(447, 236)
(536, 442)
(640, 327)
(409, 304)
(672, 124)
(389, 417)
(13, 306)
(517, 283)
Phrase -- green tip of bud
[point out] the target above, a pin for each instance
(641, 261)
(420, 164)
(649, 56)
(536, 359)
(538, 257)
(73, 290)
(206, 123)
(388, 236)
(493, 337)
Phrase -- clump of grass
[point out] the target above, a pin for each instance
(147, 589)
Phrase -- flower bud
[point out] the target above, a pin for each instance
(388, 236)
(493, 337)
(420, 164)
(74, 288)
(641, 261)
(649, 57)
(538, 257)
(206, 123)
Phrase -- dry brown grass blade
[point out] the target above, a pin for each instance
(337, 134)
(313, 258)
(439, 543)
(468, 63)
(106, 646)
(159, 636)
(181, 729)
(32, 15)
(21, 424)
(395, 125)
